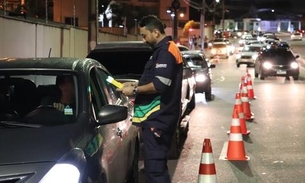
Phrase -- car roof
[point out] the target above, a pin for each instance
(46, 63)
(115, 45)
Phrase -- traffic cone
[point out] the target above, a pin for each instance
(246, 104)
(242, 81)
(250, 86)
(243, 125)
(239, 109)
(207, 171)
(236, 149)
(238, 104)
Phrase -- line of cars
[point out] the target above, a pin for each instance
(269, 56)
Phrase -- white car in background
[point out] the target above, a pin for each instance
(248, 55)
(296, 36)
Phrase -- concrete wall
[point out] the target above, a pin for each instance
(25, 38)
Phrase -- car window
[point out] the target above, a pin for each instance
(121, 63)
(98, 96)
(22, 93)
(196, 62)
(251, 49)
(114, 97)
(219, 45)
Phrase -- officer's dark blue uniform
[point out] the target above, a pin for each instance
(160, 111)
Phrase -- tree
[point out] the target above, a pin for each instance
(190, 25)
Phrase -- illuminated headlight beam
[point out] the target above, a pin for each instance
(267, 65)
(294, 65)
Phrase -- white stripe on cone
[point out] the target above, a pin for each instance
(207, 158)
(207, 179)
(236, 137)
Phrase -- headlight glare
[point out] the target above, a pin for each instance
(254, 56)
(294, 65)
(267, 65)
(200, 78)
(62, 173)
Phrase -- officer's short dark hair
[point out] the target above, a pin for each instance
(151, 22)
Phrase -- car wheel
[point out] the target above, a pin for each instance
(134, 172)
(296, 77)
(255, 74)
(262, 77)
(237, 65)
(191, 105)
(208, 94)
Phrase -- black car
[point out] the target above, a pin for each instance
(201, 68)
(91, 140)
(277, 62)
(126, 60)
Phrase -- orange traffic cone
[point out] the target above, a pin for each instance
(250, 86)
(236, 149)
(239, 109)
(242, 81)
(246, 104)
(207, 171)
(243, 125)
(238, 104)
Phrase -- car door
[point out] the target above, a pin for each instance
(113, 158)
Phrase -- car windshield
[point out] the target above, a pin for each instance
(251, 49)
(122, 63)
(282, 55)
(25, 94)
(196, 62)
(219, 45)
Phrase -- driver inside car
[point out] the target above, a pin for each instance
(66, 100)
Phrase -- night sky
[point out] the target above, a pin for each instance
(238, 8)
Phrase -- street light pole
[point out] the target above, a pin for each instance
(202, 22)
(46, 4)
(223, 17)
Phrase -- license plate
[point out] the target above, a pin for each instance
(281, 72)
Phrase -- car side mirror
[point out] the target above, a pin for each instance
(297, 56)
(212, 66)
(112, 114)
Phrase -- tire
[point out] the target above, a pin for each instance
(262, 77)
(237, 65)
(191, 105)
(296, 77)
(255, 74)
(208, 94)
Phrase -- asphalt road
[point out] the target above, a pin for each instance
(276, 143)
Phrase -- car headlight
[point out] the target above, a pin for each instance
(240, 41)
(238, 56)
(62, 173)
(254, 56)
(267, 65)
(294, 65)
(68, 169)
(200, 78)
(209, 44)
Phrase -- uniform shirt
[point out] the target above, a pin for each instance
(164, 69)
